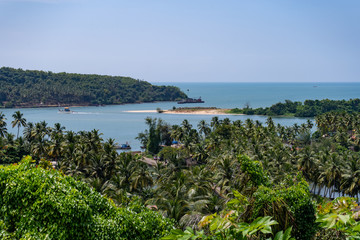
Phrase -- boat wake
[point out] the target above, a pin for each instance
(80, 113)
(86, 113)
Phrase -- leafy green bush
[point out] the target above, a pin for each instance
(42, 204)
(254, 169)
(339, 219)
(289, 206)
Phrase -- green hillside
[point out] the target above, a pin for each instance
(25, 88)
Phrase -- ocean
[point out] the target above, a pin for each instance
(114, 122)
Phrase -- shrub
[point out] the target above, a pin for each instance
(254, 169)
(44, 204)
(284, 200)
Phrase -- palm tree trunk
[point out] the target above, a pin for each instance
(312, 190)
(326, 190)
(319, 190)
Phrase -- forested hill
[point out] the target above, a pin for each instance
(38, 88)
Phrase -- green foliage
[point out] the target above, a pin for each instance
(342, 223)
(154, 136)
(254, 169)
(176, 156)
(284, 235)
(218, 223)
(42, 204)
(285, 204)
(45, 164)
(39, 88)
(8, 155)
(261, 224)
(9, 104)
(3, 129)
(238, 203)
(236, 111)
(188, 234)
(157, 134)
(310, 108)
(340, 205)
(340, 215)
(227, 227)
(206, 176)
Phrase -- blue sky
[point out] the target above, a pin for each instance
(186, 40)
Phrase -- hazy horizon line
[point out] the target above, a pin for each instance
(257, 82)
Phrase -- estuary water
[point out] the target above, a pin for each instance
(114, 122)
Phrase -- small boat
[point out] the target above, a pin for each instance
(124, 146)
(65, 110)
(191, 100)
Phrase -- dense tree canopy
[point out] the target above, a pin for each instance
(310, 108)
(222, 180)
(39, 88)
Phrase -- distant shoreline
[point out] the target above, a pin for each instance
(75, 105)
(191, 111)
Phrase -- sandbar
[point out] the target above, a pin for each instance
(189, 111)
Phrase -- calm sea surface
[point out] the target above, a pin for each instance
(115, 123)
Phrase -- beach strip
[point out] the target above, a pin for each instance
(188, 111)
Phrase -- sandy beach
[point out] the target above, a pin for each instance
(192, 111)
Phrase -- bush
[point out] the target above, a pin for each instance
(254, 170)
(44, 204)
(295, 200)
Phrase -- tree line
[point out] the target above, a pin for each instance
(23, 88)
(310, 108)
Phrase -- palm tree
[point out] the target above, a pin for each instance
(172, 197)
(56, 146)
(304, 138)
(351, 178)
(306, 162)
(116, 189)
(109, 157)
(3, 129)
(177, 133)
(331, 174)
(186, 127)
(204, 128)
(27, 133)
(199, 153)
(141, 177)
(58, 128)
(126, 164)
(214, 122)
(18, 121)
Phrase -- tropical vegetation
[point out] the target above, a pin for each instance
(310, 108)
(44, 204)
(219, 180)
(29, 88)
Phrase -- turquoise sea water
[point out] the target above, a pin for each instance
(123, 126)
(231, 95)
